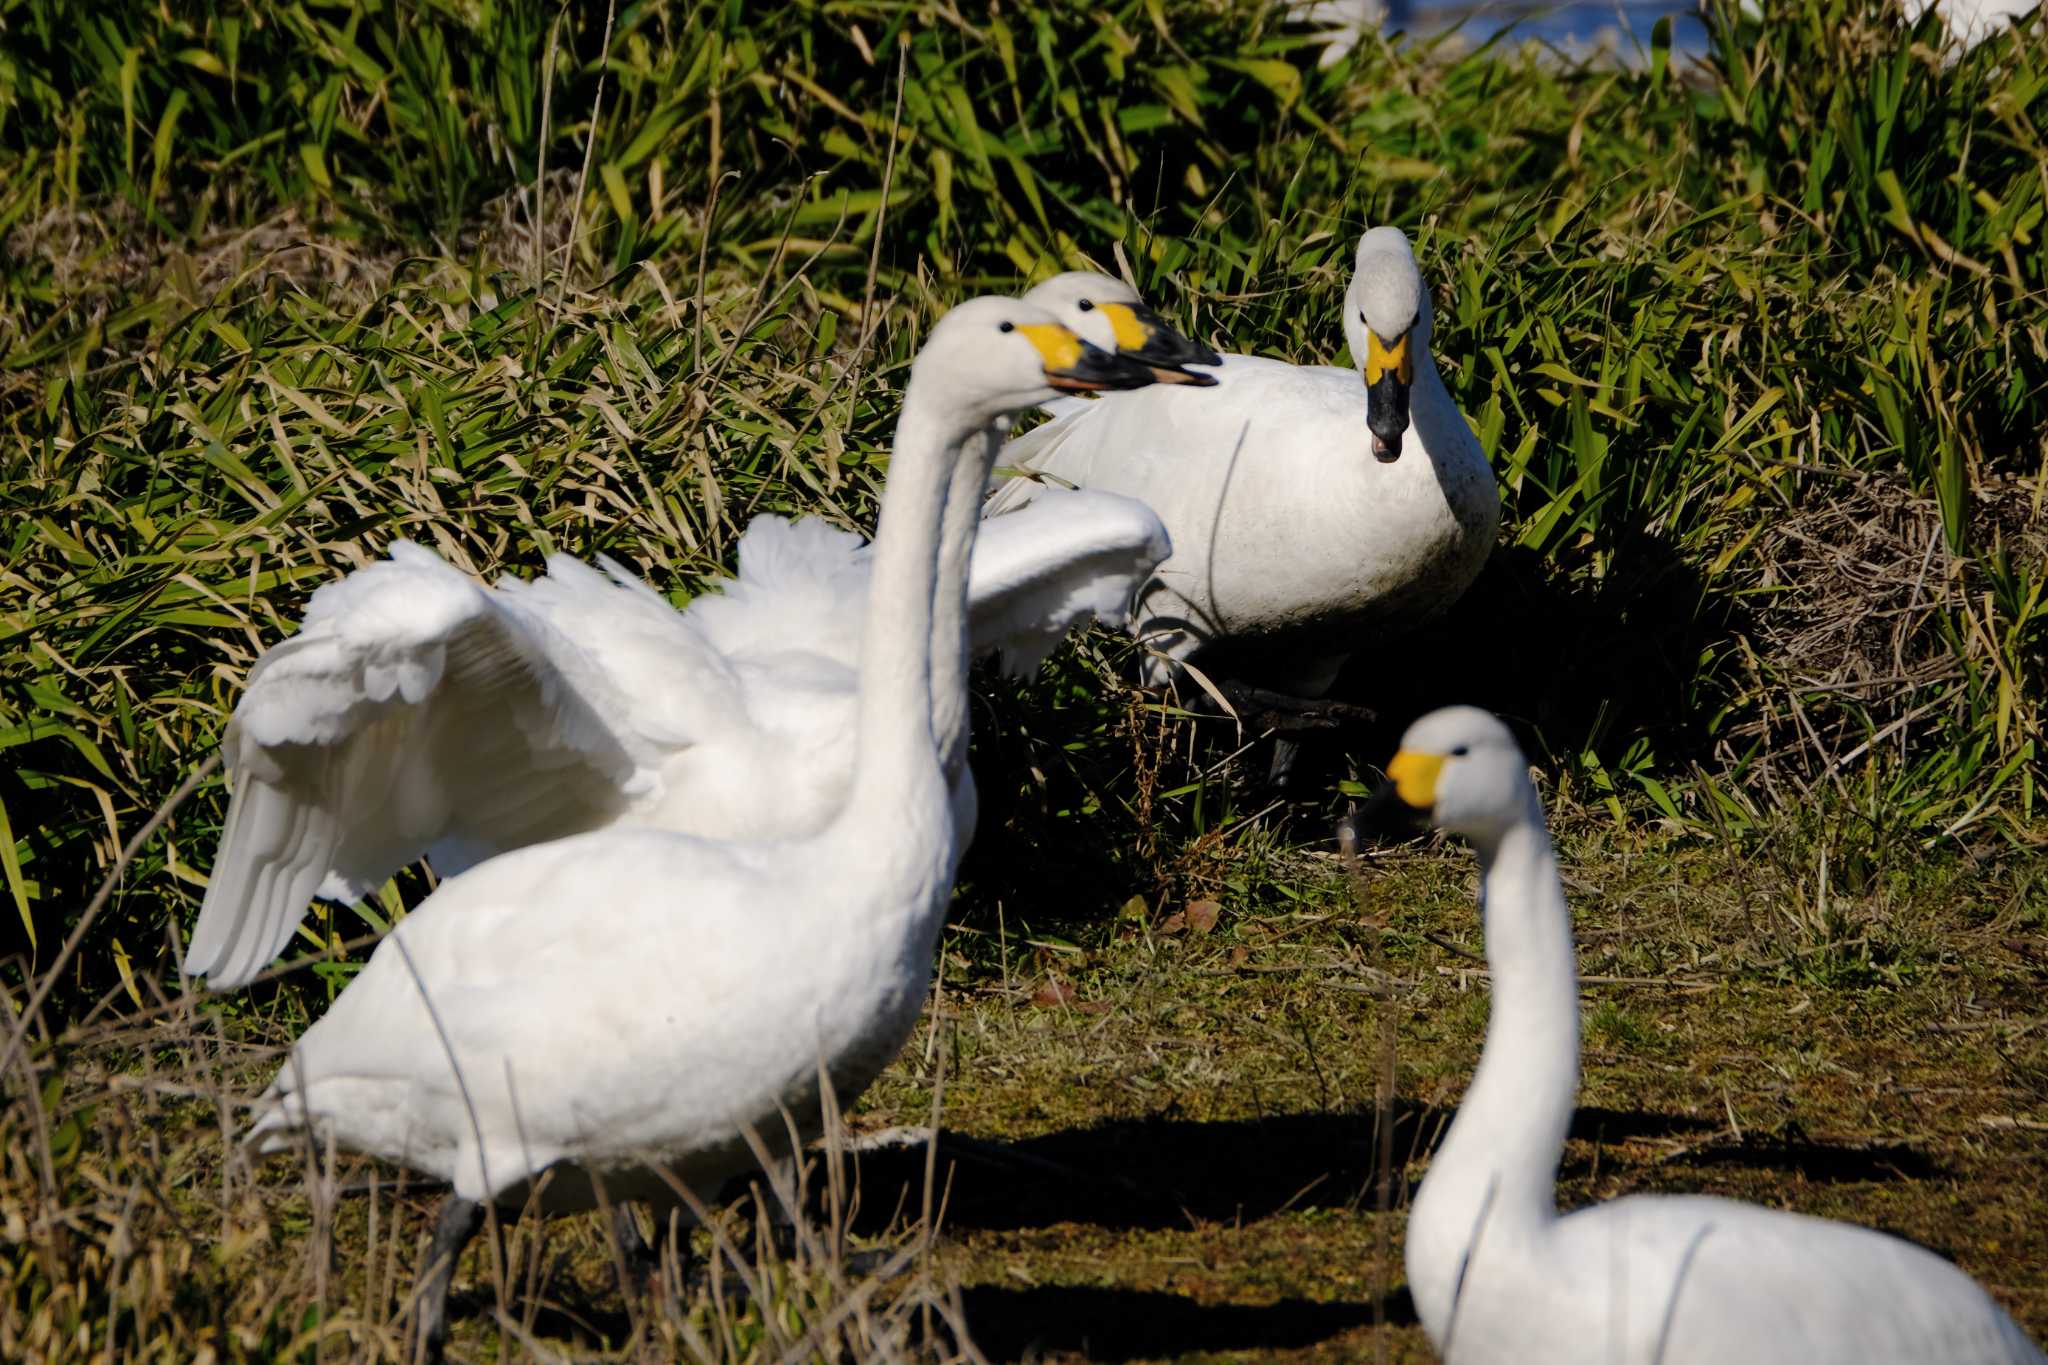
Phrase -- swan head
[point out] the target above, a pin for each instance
(1386, 320)
(992, 357)
(1108, 313)
(1460, 770)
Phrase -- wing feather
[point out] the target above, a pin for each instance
(1063, 558)
(801, 587)
(414, 708)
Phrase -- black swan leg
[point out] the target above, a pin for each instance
(459, 1220)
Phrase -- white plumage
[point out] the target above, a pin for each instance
(390, 724)
(801, 585)
(1298, 531)
(418, 711)
(1498, 1276)
(1340, 25)
(629, 1003)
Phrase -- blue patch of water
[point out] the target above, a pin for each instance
(1623, 27)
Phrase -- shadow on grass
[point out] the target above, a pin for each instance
(1822, 1162)
(1574, 668)
(1164, 1171)
(1167, 1172)
(1124, 1324)
(594, 1318)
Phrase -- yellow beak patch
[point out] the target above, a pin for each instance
(1380, 358)
(1059, 348)
(1415, 777)
(1131, 334)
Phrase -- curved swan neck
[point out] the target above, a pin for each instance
(951, 659)
(894, 735)
(1496, 1172)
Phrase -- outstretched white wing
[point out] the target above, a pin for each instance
(801, 587)
(415, 710)
(1065, 557)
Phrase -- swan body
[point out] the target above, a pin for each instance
(1307, 507)
(629, 1005)
(1970, 22)
(1498, 1276)
(418, 711)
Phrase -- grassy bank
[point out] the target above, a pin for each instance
(1756, 349)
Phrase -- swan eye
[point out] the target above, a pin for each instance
(1086, 305)
(1006, 327)
(1461, 751)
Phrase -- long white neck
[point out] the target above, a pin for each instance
(950, 652)
(1495, 1176)
(896, 760)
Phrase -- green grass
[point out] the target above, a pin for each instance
(1756, 350)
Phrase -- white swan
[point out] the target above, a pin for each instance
(1970, 22)
(1498, 1276)
(621, 1007)
(418, 711)
(1309, 506)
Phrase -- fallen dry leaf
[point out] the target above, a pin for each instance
(1053, 992)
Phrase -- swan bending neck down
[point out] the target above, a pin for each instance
(1498, 1276)
(697, 992)
(1312, 509)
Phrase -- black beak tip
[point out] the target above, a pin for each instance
(1384, 450)
(1168, 348)
(1174, 374)
(1098, 369)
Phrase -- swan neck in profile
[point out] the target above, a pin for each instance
(951, 653)
(896, 760)
(1495, 1175)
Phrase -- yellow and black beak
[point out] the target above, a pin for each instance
(1143, 335)
(1389, 371)
(1407, 797)
(1074, 366)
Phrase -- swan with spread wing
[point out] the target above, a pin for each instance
(419, 711)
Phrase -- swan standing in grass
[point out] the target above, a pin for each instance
(1310, 506)
(1498, 1276)
(624, 1006)
(418, 711)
